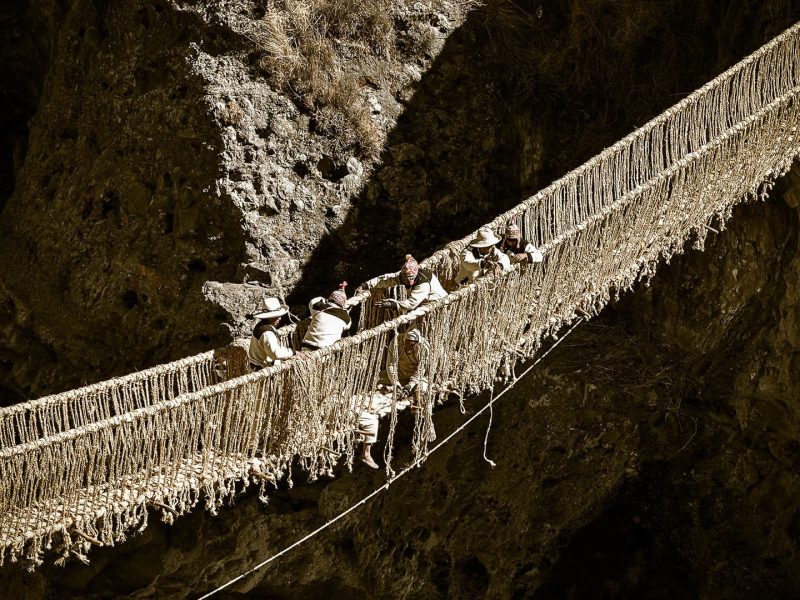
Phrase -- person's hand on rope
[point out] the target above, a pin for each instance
(406, 391)
(490, 264)
(389, 303)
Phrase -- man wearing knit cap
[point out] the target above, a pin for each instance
(518, 249)
(329, 321)
(421, 286)
(482, 257)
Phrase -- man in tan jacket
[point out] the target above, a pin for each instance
(421, 286)
(519, 250)
(482, 257)
(405, 364)
(265, 348)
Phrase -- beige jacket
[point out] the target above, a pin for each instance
(327, 327)
(473, 263)
(426, 288)
(410, 366)
(267, 350)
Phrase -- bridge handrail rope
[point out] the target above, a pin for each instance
(415, 315)
(31, 420)
(98, 478)
(768, 71)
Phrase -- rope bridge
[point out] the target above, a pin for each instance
(82, 468)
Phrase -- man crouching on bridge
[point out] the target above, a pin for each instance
(404, 375)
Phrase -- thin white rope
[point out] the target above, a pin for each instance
(489, 428)
(386, 485)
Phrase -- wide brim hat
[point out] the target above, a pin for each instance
(414, 335)
(484, 239)
(271, 308)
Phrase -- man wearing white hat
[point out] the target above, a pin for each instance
(482, 257)
(265, 348)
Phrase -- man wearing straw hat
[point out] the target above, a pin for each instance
(482, 257)
(421, 286)
(516, 248)
(265, 348)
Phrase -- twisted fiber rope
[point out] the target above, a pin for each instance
(700, 117)
(740, 91)
(28, 421)
(478, 287)
(614, 171)
(100, 477)
(228, 403)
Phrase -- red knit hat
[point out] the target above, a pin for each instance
(513, 230)
(339, 296)
(410, 268)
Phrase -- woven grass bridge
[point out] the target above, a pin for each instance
(82, 468)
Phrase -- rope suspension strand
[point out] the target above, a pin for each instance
(83, 466)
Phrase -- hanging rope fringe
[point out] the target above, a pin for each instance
(85, 465)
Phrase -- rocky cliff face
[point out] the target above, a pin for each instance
(114, 224)
(653, 454)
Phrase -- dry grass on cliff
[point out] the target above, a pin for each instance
(309, 49)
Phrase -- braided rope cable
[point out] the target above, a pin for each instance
(238, 394)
